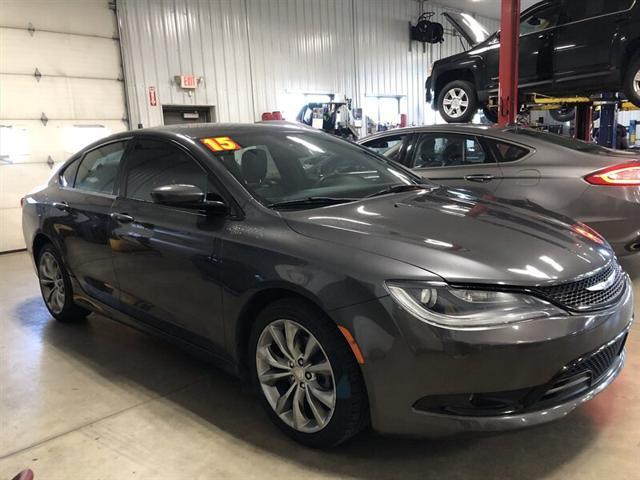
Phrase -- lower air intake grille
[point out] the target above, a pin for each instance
(585, 373)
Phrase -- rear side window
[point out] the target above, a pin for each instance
(153, 163)
(99, 168)
(575, 10)
(68, 175)
(507, 152)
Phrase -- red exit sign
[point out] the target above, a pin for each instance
(188, 81)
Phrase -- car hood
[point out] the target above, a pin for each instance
(461, 238)
(468, 27)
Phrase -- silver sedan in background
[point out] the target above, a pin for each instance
(595, 185)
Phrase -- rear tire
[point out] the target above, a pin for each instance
(458, 102)
(55, 286)
(324, 378)
(631, 85)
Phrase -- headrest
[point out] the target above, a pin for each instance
(253, 165)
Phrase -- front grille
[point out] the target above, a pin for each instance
(576, 296)
(584, 373)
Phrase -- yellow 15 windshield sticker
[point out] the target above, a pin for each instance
(220, 144)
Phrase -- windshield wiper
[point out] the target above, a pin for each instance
(398, 189)
(312, 202)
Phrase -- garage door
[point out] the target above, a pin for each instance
(60, 89)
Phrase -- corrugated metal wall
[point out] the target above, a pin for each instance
(254, 54)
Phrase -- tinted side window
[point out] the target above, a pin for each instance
(153, 163)
(449, 151)
(68, 175)
(99, 168)
(506, 152)
(546, 17)
(575, 10)
(390, 146)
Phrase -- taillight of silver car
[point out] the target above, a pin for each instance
(622, 175)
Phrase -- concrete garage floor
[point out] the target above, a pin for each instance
(100, 400)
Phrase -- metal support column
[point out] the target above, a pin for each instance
(509, 54)
(608, 121)
(584, 121)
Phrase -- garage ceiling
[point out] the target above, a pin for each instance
(487, 8)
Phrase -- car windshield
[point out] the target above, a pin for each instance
(561, 140)
(308, 169)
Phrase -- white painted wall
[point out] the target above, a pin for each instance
(74, 44)
(256, 55)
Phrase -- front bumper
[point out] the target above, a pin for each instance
(407, 361)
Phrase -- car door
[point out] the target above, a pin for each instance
(537, 38)
(393, 146)
(81, 221)
(585, 40)
(164, 256)
(456, 160)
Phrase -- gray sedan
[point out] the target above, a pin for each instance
(596, 185)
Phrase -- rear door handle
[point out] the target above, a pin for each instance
(480, 178)
(122, 217)
(62, 206)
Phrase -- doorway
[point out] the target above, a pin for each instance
(180, 114)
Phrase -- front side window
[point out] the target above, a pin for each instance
(545, 17)
(154, 163)
(449, 150)
(390, 146)
(291, 165)
(98, 170)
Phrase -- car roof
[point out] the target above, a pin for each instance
(508, 133)
(204, 130)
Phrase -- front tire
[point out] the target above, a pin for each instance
(307, 377)
(458, 102)
(631, 86)
(55, 286)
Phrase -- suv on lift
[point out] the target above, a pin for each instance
(567, 47)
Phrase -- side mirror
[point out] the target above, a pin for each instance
(188, 196)
(177, 194)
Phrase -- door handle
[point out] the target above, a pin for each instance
(62, 206)
(122, 217)
(480, 178)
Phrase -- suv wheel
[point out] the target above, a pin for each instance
(55, 286)
(458, 102)
(307, 376)
(631, 85)
(563, 114)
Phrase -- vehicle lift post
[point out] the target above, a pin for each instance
(584, 119)
(509, 52)
(607, 132)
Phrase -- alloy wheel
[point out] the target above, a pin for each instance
(296, 376)
(455, 102)
(52, 282)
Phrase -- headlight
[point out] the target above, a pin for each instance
(442, 305)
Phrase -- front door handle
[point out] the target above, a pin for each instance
(480, 178)
(122, 217)
(62, 206)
